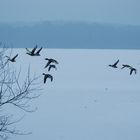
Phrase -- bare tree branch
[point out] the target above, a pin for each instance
(16, 92)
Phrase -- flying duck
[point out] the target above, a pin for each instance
(115, 64)
(12, 59)
(125, 66)
(132, 69)
(47, 76)
(50, 60)
(32, 52)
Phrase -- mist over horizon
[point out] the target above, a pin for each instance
(64, 34)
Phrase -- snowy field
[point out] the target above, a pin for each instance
(88, 100)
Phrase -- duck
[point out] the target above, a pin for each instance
(50, 60)
(47, 76)
(32, 52)
(132, 70)
(125, 66)
(12, 59)
(130, 67)
(115, 64)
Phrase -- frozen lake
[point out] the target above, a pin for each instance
(87, 99)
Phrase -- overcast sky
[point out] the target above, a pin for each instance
(110, 11)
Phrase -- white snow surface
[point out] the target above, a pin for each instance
(88, 100)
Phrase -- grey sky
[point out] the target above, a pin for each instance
(116, 11)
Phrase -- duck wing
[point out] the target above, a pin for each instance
(52, 66)
(15, 57)
(50, 76)
(131, 71)
(34, 49)
(47, 59)
(7, 57)
(45, 78)
(123, 66)
(47, 64)
(54, 61)
(135, 71)
(28, 50)
(116, 62)
(39, 51)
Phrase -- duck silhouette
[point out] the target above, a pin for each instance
(125, 66)
(32, 52)
(129, 67)
(132, 70)
(52, 66)
(50, 60)
(47, 76)
(115, 64)
(12, 59)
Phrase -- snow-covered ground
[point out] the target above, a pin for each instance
(87, 99)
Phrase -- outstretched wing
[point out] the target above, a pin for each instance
(39, 50)
(123, 67)
(27, 50)
(15, 57)
(51, 77)
(47, 64)
(131, 71)
(135, 71)
(45, 78)
(116, 62)
(54, 61)
(7, 57)
(52, 66)
(33, 50)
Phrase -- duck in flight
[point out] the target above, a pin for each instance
(46, 76)
(115, 64)
(130, 67)
(52, 66)
(133, 70)
(125, 66)
(32, 52)
(50, 60)
(12, 59)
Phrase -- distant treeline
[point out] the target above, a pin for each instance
(71, 35)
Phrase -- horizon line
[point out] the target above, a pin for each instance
(66, 22)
